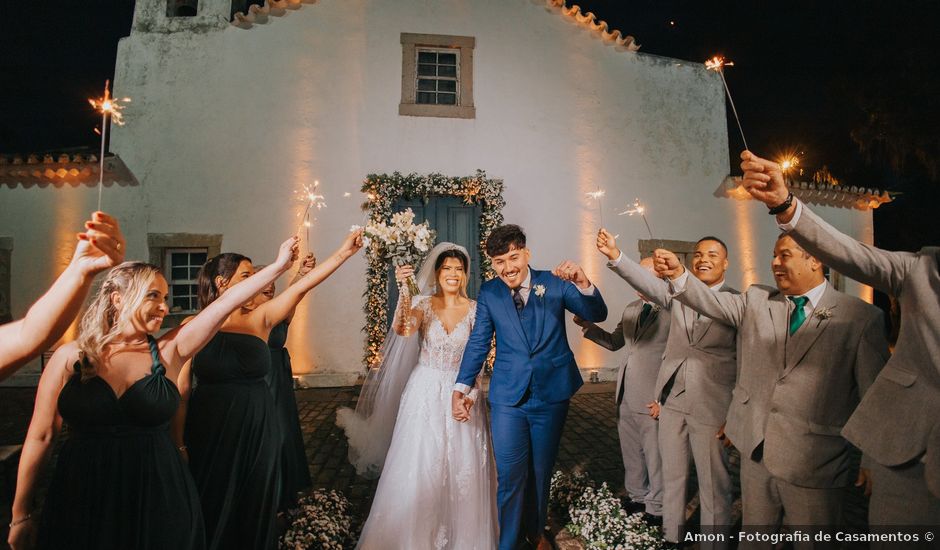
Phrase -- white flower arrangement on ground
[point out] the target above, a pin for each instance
(597, 517)
(320, 520)
(401, 241)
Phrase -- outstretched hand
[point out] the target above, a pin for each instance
(101, 246)
(607, 244)
(570, 271)
(307, 264)
(287, 254)
(763, 179)
(460, 406)
(667, 264)
(353, 243)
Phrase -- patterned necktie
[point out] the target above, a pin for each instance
(799, 312)
(517, 299)
(645, 313)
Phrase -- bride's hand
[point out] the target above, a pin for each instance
(402, 273)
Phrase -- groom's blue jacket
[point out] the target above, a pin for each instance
(531, 352)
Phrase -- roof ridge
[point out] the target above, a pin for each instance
(279, 8)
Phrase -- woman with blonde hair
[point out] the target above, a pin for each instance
(232, 431)
(120, 481)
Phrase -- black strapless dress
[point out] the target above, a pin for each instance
(119, 481)
(295, 473)
(234, 442)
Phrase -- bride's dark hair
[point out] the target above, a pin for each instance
(452, 253)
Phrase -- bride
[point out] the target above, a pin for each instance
(437, 486)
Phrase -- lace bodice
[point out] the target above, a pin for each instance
(440, 350)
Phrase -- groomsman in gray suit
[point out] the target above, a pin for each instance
(692, 390)
(643, 329)
(807, 355)
(897, 424)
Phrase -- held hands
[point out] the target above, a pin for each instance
(460, 405)
(570, 271)
(667, 264)
(607, 245)
(763, 179)
(101, 246)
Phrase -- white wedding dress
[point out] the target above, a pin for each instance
(438, 485)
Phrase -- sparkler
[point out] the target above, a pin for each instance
(308, 195)
(638, 208)
(597, 195)
(718, 65)
(109, 108)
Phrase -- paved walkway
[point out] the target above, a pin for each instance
(588, 442)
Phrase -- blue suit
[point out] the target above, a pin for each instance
(534, 376)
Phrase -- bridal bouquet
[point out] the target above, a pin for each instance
(320, 520)
(403, 242)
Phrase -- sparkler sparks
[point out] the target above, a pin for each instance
(718, 64)
(597, 195)
(110, 108)
(308, 195)
(638, 208)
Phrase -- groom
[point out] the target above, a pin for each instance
(534, 375)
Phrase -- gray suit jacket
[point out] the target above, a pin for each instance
(706, 349)
(645, 344)
(795, 393)
(899, 419)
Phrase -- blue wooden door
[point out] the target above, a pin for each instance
(454, 221)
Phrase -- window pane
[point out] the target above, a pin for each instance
(426, 85)
(447, 59)
(425, 97)
(447, 70)
(193, 273)
(198, 258)
(447, 85)
(179, 258)
(181, 304)
(426, 70)
(193, 290)
(447, 99)
(427, 57)
(179, 273)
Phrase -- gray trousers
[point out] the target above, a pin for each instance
(899, 496)
(642, 463)
(682, 438)
(766, 499)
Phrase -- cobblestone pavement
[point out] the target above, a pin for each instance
(589, 442)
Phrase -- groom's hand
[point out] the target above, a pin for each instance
(570, 271)
(458, 406)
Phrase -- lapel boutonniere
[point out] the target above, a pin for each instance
(656, 309)
(539, 290)
(823, 314)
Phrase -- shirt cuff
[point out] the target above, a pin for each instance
(787, 227)
(615, 263)
(462, 388)
(589, 291)
(677, 286)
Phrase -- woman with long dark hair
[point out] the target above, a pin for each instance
(231, 431)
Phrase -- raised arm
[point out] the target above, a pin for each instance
(37, 447)
(407, 317)
(653, 288)
(882, 269)
(276, 310)
(100, 247)
(724, 307)
(192, 336)
(609, 340)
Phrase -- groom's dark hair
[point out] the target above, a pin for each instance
(503, 238)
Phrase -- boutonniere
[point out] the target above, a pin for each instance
(823, 314)
(539, 290)
(656, 309)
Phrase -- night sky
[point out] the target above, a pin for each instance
(807, 76)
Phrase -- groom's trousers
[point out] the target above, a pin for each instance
(525, 445)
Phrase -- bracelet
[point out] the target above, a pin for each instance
(783, 206)
(23, 519)
(183, 448)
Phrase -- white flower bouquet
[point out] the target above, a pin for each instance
(403, 242)
(320, 520)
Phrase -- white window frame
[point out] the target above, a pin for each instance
(455, 79)
(461, 45)
(168, 273)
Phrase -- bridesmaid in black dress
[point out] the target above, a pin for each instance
(120, 482)
(295, 472)
(231, 431)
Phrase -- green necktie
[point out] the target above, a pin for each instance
(799, 313)
(645, 313)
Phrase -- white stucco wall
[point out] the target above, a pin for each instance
(227, 123)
